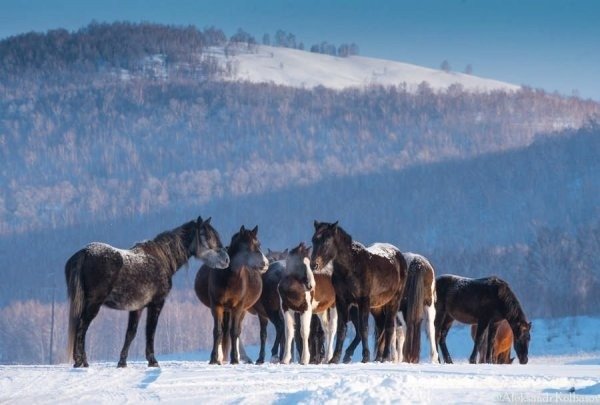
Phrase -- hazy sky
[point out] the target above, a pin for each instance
(551, 44)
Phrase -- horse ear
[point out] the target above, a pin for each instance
(199, 221)
(208, 221)
(285, 251)
(255, 230)
(268, 251)
(530, 325)
(335, 225)
(316, 224)
(242, 229)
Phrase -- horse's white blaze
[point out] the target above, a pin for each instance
(304, 332)
(288, 317)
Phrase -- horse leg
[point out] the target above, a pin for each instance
(481, 328)
(430, 329)
(89, 313)
(151, 323)
(216, 356)
(379, 341)
(400, 336)
(363, 324)
(132, 324)
(278, 345)
(237, 316)
(442, 330)
(354, 344)
(263, 339)
(305, 319)
(288, 318)
(389, 328)
(489, 353)
(329, 324)
(342, 310)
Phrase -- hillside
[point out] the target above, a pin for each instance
(292, 67)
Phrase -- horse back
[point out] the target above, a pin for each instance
(387, 277)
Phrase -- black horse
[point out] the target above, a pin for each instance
(371, 278)
(132, 280)
(231, 291)
(484, 302)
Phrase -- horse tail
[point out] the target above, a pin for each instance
(415, 295)
(73, 270)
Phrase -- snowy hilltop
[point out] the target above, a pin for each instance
(296, 68)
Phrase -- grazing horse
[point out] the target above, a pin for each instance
(485, 302)
(418, 301)
(306, 293)
(132, 280)
(233, 290)
(371, 278)
(502, 343)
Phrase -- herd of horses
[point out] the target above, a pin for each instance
(308, 294)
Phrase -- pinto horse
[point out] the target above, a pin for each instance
(484, 302)
(230, 292)
(418, 302)
(132, 280)
(306, 293)
(371, 278)
(502, 343)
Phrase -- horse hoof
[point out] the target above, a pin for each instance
(215, 362)
(153, 364)
(122, 364)
(347, 359)
(365, 359)
(334, 360)
(260, 361)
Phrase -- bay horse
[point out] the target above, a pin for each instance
(484, 302)
(276, 255)
(371, 278)
(231, 291)
(306, 293)
(132, 280)
(502, 343)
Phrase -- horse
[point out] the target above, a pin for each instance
(306, 293)
(418, 301)
(268, 309)
(230, 292)
(276, 255)
(371, 278)
(502, 343)
(485, 302)
(132, 280)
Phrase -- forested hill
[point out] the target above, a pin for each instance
(79, 144)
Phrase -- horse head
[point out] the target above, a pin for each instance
(206, 245)
(323, 241)
(275, 256)
(244, 250)
(521, 332)
(298, 264)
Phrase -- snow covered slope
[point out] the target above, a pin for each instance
(564, 367)
(291, 67)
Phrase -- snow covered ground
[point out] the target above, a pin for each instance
(564, 367)
(291, 67)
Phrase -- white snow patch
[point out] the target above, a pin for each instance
(291, 67)
(384, 250)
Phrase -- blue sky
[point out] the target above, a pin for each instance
(550, 44)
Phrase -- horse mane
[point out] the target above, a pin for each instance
(169, 247)
(510, 301)
(345, 236)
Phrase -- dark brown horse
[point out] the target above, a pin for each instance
(371, 278)
(232, 291)
(484, 302)
(502, 343)
(306, 293)
(132, 280)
